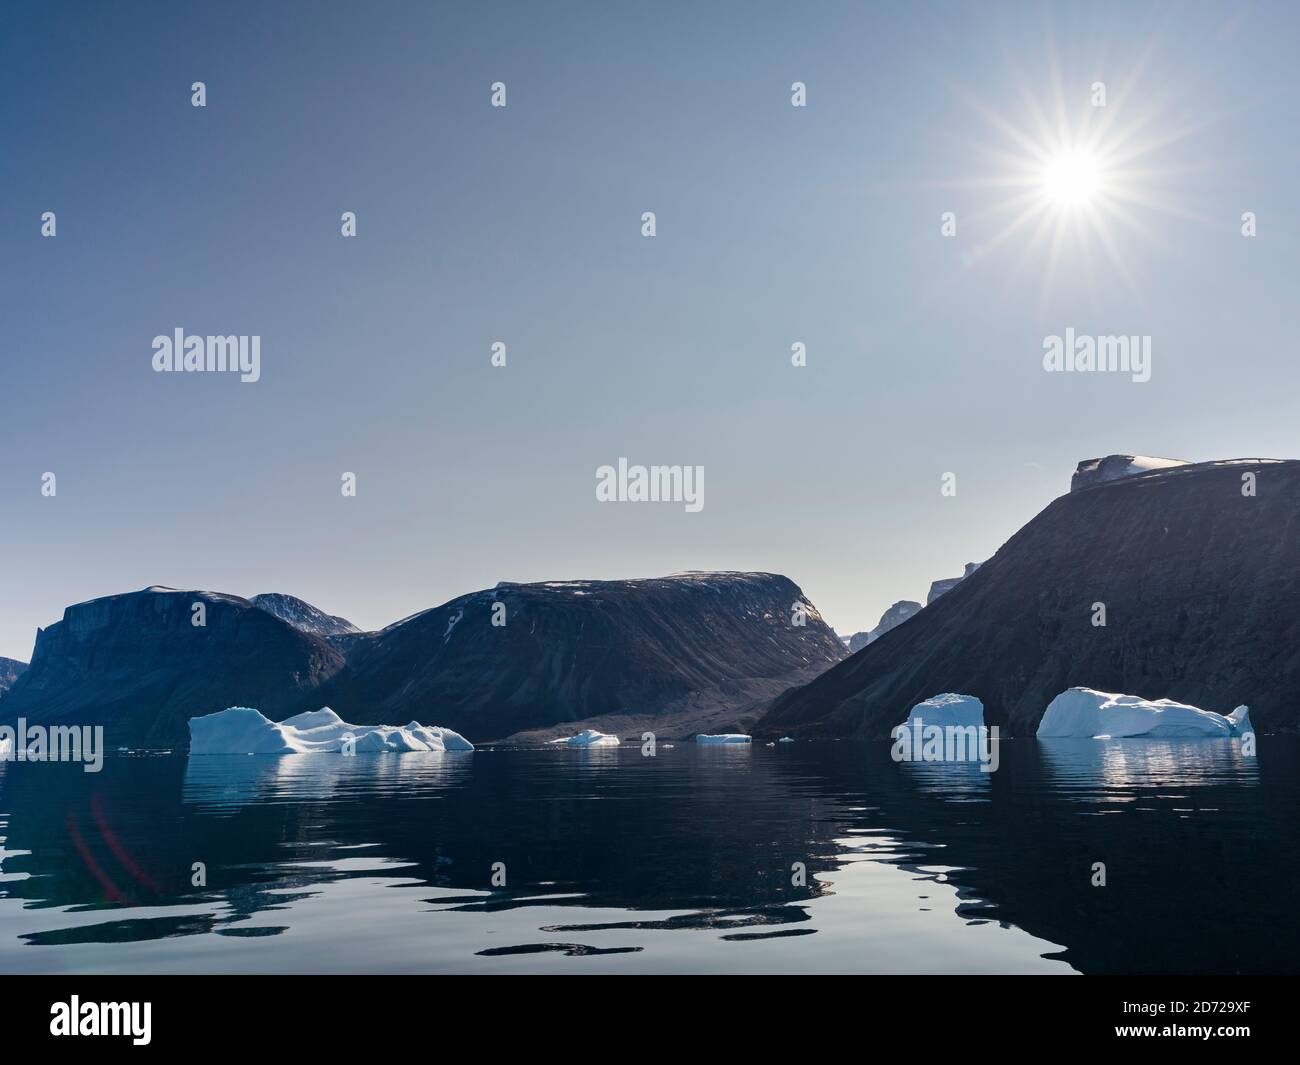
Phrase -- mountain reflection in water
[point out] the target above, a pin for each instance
(681, 862)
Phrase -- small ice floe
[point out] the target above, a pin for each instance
(589, 737)
(726, 737)
(1087, 714)
(769, 745)
(243, 730)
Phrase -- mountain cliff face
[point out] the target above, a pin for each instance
(10, 670)
(136, 664)
(890, 619)
(303, 616)
(947, 584)
(569, 651)
(1113, 467)
(1201, 589)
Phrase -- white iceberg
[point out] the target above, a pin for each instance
(589, 737)
(726, 737)
(243, 730)
(786, 739)
(1084, 713)
(947, 709)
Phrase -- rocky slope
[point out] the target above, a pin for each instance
(136, 664)
(303, 616)
(10, 670)
(890, 619)
(686, 650)
(1201, 586)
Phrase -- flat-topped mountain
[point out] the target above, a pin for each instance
(1200, 584)
(1113, 467)
(139, 665)
(686, 648)
(570, 651)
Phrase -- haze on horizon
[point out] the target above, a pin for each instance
(775, 225)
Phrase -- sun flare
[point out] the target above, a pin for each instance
(1073, 187)
(1072, 177)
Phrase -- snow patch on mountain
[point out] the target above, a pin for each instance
(1113, 467)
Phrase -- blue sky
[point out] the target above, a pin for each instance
(775, 224)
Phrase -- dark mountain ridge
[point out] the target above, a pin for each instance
(570, 651)
(691, 644)
(1201, 587)
(138, 665)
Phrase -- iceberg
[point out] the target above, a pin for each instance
(1088, 714)
(947, 709)
(243, 730)
(589, 737)
(726, 737)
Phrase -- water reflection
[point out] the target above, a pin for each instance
(954, 781)
(1081, 768)
(227, 782)
(809, 857)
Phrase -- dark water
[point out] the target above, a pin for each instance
(682, 862)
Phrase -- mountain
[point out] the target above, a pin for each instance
(302, 615)
(1201, 587)
(890, 619)
(1113, 467)
(683, 652)
(10, 670)
(947, 584)
(138, 665)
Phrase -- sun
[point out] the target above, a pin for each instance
(1072, 189)
(1072, 177)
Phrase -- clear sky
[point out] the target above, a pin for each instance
(775, 224)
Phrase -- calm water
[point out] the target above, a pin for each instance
(615, 862)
